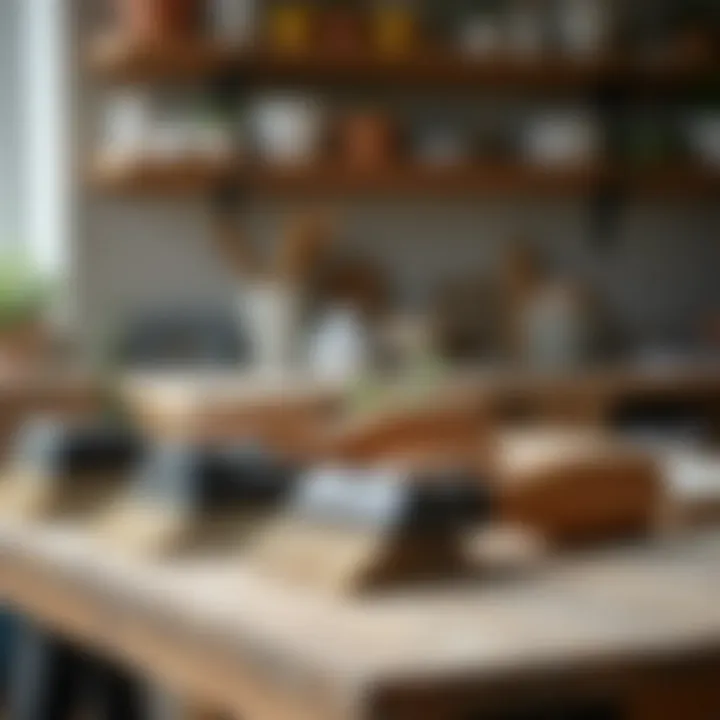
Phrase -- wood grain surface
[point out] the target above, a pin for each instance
(244, 643)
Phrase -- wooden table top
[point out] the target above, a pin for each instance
(621, 606)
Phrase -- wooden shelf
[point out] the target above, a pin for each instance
(117, 61)
(686, 181)
(462, 181)
(178, 178)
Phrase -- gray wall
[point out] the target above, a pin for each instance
(663, 271)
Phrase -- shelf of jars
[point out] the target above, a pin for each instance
(408, 42)
(284, 62)
(122, 61)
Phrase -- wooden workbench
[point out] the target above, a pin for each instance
(636, 626)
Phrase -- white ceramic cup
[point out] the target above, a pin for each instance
(287, 129)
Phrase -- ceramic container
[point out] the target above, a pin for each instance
(340, 349)
(269, 311)
(287, 129)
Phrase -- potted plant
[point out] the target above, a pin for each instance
(24, 297)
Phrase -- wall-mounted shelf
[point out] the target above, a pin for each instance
(403, 180)
(177, 178)
(117, 61)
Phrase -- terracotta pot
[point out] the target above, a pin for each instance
(156, 20)
(368, 140)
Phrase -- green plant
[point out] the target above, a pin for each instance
(24, 291)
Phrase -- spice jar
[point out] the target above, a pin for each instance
(159, 20)
(344, 29)
(395, 27)
(291, 27)
(368, 139)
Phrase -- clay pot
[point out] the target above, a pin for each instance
(158, 20)
(368, 140)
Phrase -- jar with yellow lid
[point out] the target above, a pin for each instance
(291, 26)
(395, 24)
